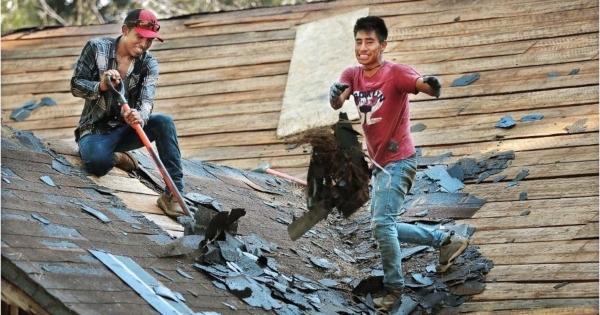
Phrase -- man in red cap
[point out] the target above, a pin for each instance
(103, 133)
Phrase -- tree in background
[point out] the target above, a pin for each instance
(18, 14)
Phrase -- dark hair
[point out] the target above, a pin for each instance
(372, 23)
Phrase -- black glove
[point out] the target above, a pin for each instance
(336, 90)
(435, 84)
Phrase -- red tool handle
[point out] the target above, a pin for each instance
(161, 167)
(286, 176)
(144, 138)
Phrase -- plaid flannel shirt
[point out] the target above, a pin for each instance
(101, 111)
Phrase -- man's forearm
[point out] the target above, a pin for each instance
(85, 88)
(338, 93)
(429, 85)
(336, 103)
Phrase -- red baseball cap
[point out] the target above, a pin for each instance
(145, 22)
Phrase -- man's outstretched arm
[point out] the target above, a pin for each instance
(430, 86)
(338, 94)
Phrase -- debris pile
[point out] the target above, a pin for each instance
(479, 170)
(243, 266)
(427, 291)
(434, 201)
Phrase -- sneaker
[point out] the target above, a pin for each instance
(386, 302)
(125, 161)
(169, 205)
(451, 250)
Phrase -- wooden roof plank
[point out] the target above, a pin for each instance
(559, 169)
(530, 304)
(531, 101)
(580, 310)
(544, 58)
(508, 290)
(582, 206)
(491, 25)
(539, 31)
(542, 252)
(484, 10)
(545, 272)
(483, 133)
(523, 144)
(488, 50)
(140, 203)
(26, 80)
(488, 120)
(539, 233)
(537, 189)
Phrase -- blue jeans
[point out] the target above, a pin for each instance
(96, 149)
(388, 194)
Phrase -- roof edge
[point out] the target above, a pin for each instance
(19, 278)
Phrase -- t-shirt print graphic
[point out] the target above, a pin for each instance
(369, 102)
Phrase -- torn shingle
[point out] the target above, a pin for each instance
(532, 117)
(468, 288)
(523, 196)
(506, 122)
(448, 183)
(158, 272)
(421, 279)
(99, 215)
(553, 74)
(47, 180)
(184, 274)
(251, 292)
(40, 218)
(465, 80)
(404, 306)
(520, 176)
(418, 127)
(344, 255)
(321, 262)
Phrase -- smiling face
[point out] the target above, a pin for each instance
(134, 43)
(368, 49)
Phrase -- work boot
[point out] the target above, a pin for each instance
(385, 303)
(169, 205)
(452, 249)
(125, 161)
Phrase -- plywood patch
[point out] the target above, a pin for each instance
(321, 52)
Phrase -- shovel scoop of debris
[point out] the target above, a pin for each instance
(338, 174)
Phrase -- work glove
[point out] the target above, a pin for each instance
(336, 90)
(435, 84)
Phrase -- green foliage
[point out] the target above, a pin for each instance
(17, 14)
(20, 14)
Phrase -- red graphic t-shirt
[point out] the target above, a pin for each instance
(383, 105)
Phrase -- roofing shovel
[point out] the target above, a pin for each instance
(144, 138)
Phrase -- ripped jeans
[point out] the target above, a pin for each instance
(388, 194)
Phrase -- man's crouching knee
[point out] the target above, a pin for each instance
(98, 165)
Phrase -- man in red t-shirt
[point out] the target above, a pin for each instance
(380, 89)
